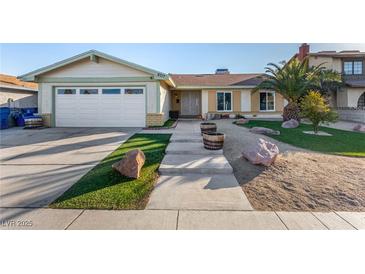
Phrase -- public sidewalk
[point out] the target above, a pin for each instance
(45, 218)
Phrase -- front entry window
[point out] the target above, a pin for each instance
(267, 101)
(224, 101)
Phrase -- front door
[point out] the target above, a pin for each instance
(190, 103)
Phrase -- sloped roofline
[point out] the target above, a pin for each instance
(30, 76)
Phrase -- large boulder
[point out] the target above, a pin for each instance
(261, 153)
(264, 130)
(131, 164)
(290, 124)
(360, 127)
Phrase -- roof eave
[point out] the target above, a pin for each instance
(214, 87)
(32, 76)
(18, 87)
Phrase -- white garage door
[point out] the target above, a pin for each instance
(100, 107)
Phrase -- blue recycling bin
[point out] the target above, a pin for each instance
(4, 114)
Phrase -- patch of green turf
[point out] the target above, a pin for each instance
(169, 123)
(342, 142)
(104, 188)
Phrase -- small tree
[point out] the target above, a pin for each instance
(315, 108)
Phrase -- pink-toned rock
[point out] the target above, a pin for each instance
(242, 121)
(290, 124)
(131, 164)
(262, 152)
(360, 127)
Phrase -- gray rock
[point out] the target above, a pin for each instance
(262, 152)
(290, 124)
(264, 130)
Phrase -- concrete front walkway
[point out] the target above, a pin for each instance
(45, 218)
(193, 178)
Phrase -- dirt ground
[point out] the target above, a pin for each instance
(299, 180)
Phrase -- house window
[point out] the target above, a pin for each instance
(267, 101)
(352, 67)
(133, 91)
(224, 101)
(111, 91)
(88, 91)
(66, 91)
(357, 67)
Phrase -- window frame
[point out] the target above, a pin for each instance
(224, 100)
(58, 89)
(274, 96)
(353, 67)
(128, 88)
(111, 88)
(91, 88)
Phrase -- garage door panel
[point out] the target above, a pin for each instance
(100, 110)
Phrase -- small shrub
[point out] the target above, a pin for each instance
(315, 108)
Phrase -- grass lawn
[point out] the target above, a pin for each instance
(342, 142)
(169, 123)
(104, 188)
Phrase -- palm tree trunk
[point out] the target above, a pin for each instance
(291, 111)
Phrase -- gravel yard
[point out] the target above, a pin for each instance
(299, 179)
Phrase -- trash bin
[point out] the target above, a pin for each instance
(4, 114)
(174, 114)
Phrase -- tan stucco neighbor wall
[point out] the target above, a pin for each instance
(327, 62)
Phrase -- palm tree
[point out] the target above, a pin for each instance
(329, 82)
(292, 80)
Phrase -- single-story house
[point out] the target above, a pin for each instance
(94, 89)
(17, 94)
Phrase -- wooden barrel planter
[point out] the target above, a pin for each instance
(208, 127)
(213, 140)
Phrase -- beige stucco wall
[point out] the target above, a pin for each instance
(236, 100)
(21, 98)
(212, 101)
(165, 100)
(327, 62)
(102, 68)
(353, 95)
(348, 97)
(279, 102)
(342, 98)
(176, 100)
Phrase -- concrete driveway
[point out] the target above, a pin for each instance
(37, 166)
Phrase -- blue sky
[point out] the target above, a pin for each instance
(17, 59)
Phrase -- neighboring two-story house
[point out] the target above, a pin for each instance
(350, 100)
